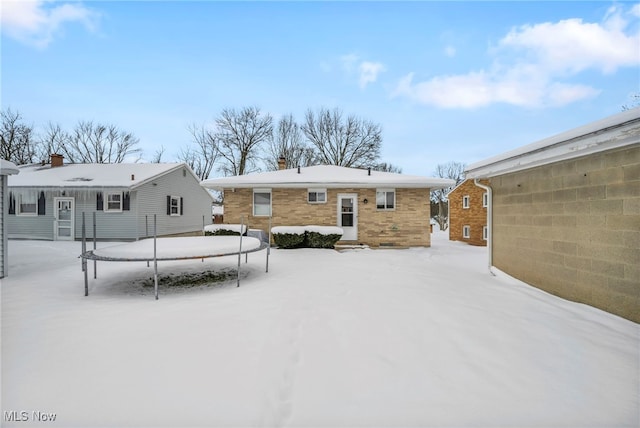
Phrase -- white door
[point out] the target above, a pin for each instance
(348, 215)
(64, 218)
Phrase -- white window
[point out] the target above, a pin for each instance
(261, 202)
(174, 205)
(485, 232)
(385, 199)
(114, 202)
(466, 231)
(465, 201)
(317, 196)
(485, 199)
(27, 204)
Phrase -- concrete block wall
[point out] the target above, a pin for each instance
(475, 216)
(407, 225)
(572, 228)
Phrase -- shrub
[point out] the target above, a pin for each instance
(221, 232)
(318, 240)
(306, 236)
(289, 240)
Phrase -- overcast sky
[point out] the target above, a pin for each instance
(448, 81)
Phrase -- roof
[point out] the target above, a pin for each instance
(122, 175)
(619, 130)
(326, 176)
(8, 168)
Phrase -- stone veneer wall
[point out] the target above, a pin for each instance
(407, 225)
(475, 216)
(572, 228)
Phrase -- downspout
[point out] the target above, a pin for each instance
(489, 223)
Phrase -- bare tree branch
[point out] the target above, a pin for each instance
(240, 135)
(16, 138)
(288, 143)
(91, 142)
(454, 171)
(203, 154)
(350, 142)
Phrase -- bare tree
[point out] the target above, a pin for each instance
(350, 142)
(240, 134)
(91, 142)
(16, 138)
(633, 103)
(387, 167)
(52, 140)
(454, 171)
(203, 154)
(288, 142)
(157, 156)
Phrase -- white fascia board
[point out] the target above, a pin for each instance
(229, 184)
(621, 130)
(8, 168)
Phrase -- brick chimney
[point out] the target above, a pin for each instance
(56, 160)
(282, 163)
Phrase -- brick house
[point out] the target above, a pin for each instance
(564, 214)
(468, 213)
(372, 207)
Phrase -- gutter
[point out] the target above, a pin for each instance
(489, 223)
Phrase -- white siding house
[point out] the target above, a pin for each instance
(48, 201)
(6, 169)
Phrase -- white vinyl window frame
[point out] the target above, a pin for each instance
(27, 204)
(262, 202)
(113, 202)
(465, 201)
(317, 196)
(174, 206)
(466, 231)
(485, 199)
(385, 199)
(485, 233)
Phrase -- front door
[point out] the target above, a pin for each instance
(348, 215)
(64, 218)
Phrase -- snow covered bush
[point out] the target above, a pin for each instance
(306, 236)
(322, 236)
(223, 229)
(288, 236)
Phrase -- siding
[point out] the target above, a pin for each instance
(126, 225)
(572, 228)
(407, 225)
(3, 235)
(152, 199)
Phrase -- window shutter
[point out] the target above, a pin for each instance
(41, 204)
(12, 203)
(125, 201)
(168, 205)
(181, 205)
(99, 202)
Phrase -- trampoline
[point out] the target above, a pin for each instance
(174, 248)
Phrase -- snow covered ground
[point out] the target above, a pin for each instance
(417, 337)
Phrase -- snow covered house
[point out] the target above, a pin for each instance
(564, 213)
(6, 168)
(47, 201)
(372, 207)
(468, 213)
